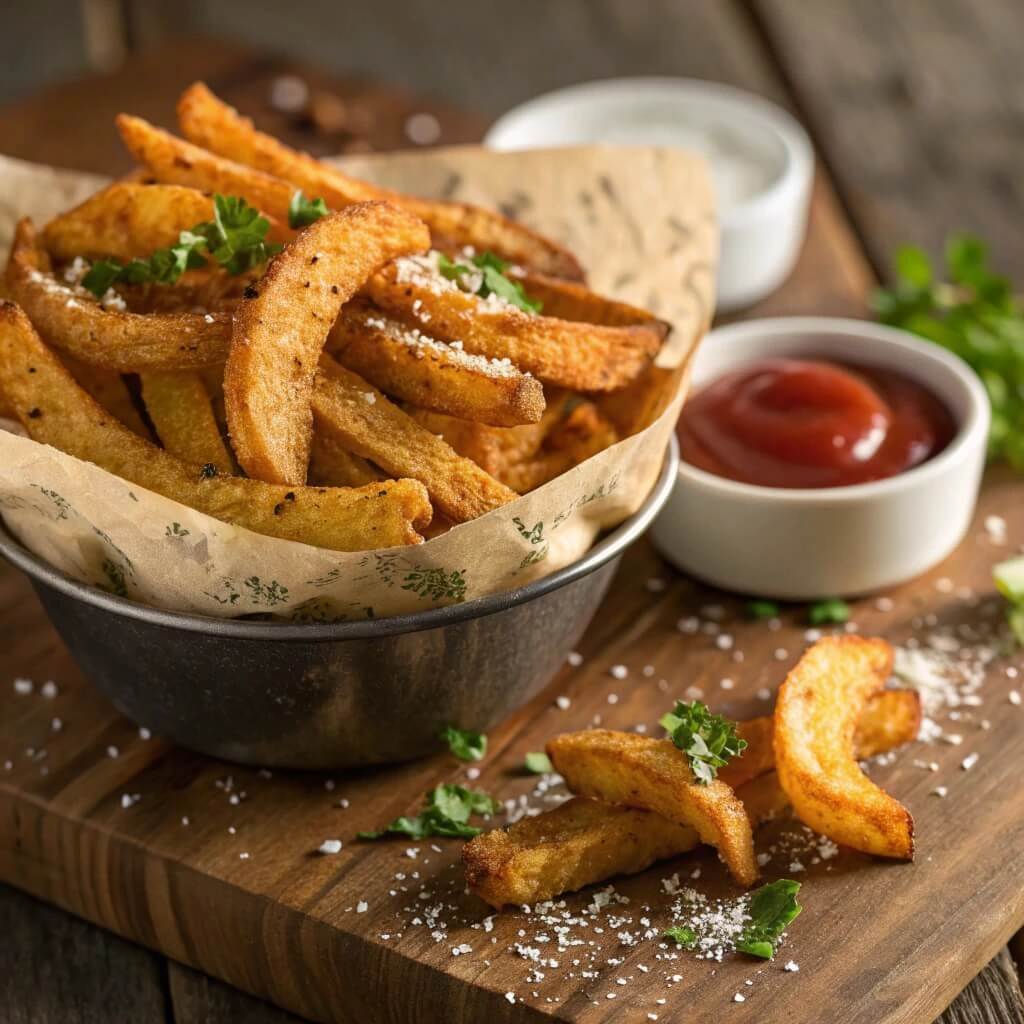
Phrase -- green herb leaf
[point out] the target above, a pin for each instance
(973, 314)
(538, 763)
(493, 279)
(101, 276)
(762, 609)
(451, 270)
(709, 741)
(830, 610)
(465, 744)
(683, 935)
(446, 812)
(771, 910)
(1009, 580)
(302, 211)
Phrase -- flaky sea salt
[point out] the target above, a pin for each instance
(329, 846)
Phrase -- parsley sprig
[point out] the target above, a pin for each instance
(537, 762)
(683, 935)
(465, 744)
(493, 280)
(1009, 579)
(446, 812)
(973, 314)
(708, 740)
(302, 211)
(831, 610)
(771, 909)
(235, 239)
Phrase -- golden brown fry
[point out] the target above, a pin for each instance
(181, 413)
(282, 324)
(583, 842)
(365, 422)
(816, 717)
(333, 465)
(173, 161)
(415, 368)
(76, 323)
(639, 771)
(209, 122)
(571, 300)
(128, 220)
(56, 411)
(582, 433)
(584, 357)
(110, 390)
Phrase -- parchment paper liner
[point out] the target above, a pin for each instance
(640, 220)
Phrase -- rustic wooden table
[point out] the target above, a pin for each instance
(884, 114)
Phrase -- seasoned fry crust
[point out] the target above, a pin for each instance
(816, 717)
(581, 356)
(209, 122)
(181, 413)
(173, 161)
(364, 421)
(583, 842)
(639, 771)
(414, 368)
(331, 464)
(109, 390)
(56, 411)
(281, 326)
(115, 340)
(128, 220)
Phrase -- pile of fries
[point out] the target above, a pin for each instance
(637, 801)
(255, 334)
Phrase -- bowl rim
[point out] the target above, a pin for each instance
(607, 548)
(972, 428)
(794, 177)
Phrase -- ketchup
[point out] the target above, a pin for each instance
(789, 422)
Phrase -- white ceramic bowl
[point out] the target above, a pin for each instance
(838, 541)
(763, 228)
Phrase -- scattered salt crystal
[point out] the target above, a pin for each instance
(969, 762)
(362, 907)
(423, 129)
(726, 684)
(288, 93)
(185, 820)
(56, 725)
(112, 751)
(613, 698)
(940, 790)
(23, 687)
(330, 846)
(511, 997)
(144, 733)
(739, 998)
(473, 773)
(944, 585)
(764, 693)
(369, 397)
(656, 585)
(781, 654)
(459, 950)
(329, 785)
(208, 318)
(791, 965)
(618, 671)
(724, 642)
(562, 703)
(244, 855)
(49, 689)
(954, 739)
(575, 659)
(1014, 697)
(812, 635)
(885, 604)
(995, 527)
(130, 799)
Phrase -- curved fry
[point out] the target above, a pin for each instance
(116, 340)
(56, 411)
(815, 726)
(581, 356)
(281, 325)
(209, 122)
(639, 771)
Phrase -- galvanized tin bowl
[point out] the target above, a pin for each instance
(331, 695)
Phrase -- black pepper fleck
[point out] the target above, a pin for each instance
(34, 414)
(209, 471)
(250, 292)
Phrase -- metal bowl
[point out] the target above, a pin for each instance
(331, 695)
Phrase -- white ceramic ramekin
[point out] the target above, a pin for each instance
(840, 541)
(761, 235)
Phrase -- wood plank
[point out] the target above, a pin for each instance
(916, 105)
(57, 968)
(994, 995)
(198, 999)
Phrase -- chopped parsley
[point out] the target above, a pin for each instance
(446, 812)
(709, 741)
(830, 610)
(762, 609)
(772, 908)
(493, 280)
(465, 744)
(538, 763)
(302, 211)
(682, 935)
(1009, 579)
(235, 238)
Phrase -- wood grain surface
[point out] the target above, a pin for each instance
(291, 901)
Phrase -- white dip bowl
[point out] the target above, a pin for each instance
(839, 541)
(761, 161)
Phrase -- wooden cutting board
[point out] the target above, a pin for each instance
(216, 866)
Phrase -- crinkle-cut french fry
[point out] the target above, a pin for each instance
(654, 775)
(583, 842)
(581, 356)
(581, 434)
(331, 464)
(408, 364)
(128, 221)
(816, 718)
(348, 408)
(180, 410)
(209, 122)
(73, 321)
(173, 161)
(56, 411)
(280, 328)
